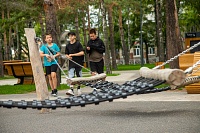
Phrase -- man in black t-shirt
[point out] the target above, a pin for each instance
(74, 51)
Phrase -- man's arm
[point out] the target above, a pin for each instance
(100, 48)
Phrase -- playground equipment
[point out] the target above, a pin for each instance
(108, 91)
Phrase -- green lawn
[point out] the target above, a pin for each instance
(22, 89)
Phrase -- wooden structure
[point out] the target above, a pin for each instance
(194, 88)
(20, 70)
(160, 63)
(36, 64)
(186, 61)
(191, 39)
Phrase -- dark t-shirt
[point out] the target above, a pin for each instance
(72, 49)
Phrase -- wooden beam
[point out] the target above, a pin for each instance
(36, 63)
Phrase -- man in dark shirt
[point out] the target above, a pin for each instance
(74, 51)
(95, 49)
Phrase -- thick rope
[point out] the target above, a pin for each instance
(175, 57)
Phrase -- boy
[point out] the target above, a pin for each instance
(50, 51)
(74, 51)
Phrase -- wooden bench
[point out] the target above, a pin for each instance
(21, 70)
(9, 61)
(186, 61)
(194, 88)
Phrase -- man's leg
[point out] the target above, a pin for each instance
(93, 68)
(100, 66)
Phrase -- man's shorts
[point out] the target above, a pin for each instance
(97, 66)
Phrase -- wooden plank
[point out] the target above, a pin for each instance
(11, 61)
(36, 63)
(18, 69)
(8, 70)
(194, 88)
(186, 61)
(28, 70)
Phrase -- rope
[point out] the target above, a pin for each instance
(175, 57)
(189, 70)
(57, 63)
(37, 39)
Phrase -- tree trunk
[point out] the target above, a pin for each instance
(88, 19)
(77, 27)
(85, 39)
(129, 34)
(1, 59)
(178, 33)
(125, 50)
(10, 40)
(173, 42)
(107, 53)
(112, 41)
(52, 27)
(5, 43)
(42, 25)
(18, 44)
(147, 51)
(159, 35)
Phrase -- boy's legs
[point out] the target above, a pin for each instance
(78, 71)
(71, 75)
(48, 73)
(54, 77)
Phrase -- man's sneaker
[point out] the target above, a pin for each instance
(70, 92)
(79, 92)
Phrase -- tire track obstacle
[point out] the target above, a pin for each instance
(148, 82)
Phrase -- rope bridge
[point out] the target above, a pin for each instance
(108, 91)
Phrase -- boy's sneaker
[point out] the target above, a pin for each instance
(70, 92)
(54, 92)
(79, 92)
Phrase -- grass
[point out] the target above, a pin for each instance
(7, 77)
(22, 89)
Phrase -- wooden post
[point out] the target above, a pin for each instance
(36, 63)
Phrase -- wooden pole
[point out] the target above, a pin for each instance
(36, 63)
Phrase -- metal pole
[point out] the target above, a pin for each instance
(141, 42)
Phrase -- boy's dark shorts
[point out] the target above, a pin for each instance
(52, 68)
